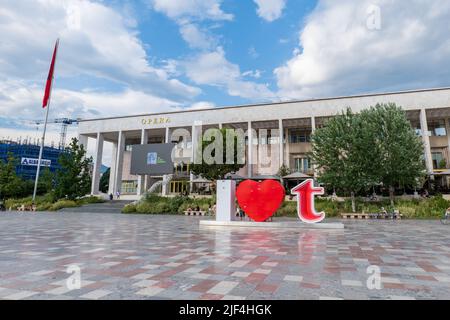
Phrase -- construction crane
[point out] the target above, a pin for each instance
(65, 122)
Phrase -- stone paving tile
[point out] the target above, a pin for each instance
(171, 257)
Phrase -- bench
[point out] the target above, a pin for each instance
(361, 216)
(195, 213)
(26, 208)
(366, 216)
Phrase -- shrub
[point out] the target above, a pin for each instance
(414, 209)
(44, 206)
(159, 207)
(144, 207)
(155, 204)
(129, 208)
(90, 199)
(175, 204)
(63, 204)
(40, 200)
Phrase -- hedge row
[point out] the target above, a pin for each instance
(153, 204)
(414, 209)
(47, 203)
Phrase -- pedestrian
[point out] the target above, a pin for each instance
(111, 197)
(118, 195)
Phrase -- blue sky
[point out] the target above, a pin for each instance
(133, 57)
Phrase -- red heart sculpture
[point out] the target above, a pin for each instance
(261, 200)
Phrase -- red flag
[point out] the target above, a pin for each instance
(48, 86)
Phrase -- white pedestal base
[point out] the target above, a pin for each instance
(273, 225)
(226, 200)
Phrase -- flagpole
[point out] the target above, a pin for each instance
(40, 152)
(43, 134)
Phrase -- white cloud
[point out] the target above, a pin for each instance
(199, 9)
(201, 105)
(339, 54)
(252, 73)
(24, 103)
(212, 68)
(270, 10)
(253, 53)
(196, 38)
(189, 14)
(96, 42)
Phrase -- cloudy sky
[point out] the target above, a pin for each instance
(142, 56)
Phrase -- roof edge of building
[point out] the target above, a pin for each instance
(274, 103)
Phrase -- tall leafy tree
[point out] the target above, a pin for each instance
(73, 180)
(397, 151)
(46, 181)
(216, 165)
(340, 152)
(10, 184)
(357, 151)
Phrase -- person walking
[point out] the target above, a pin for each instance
(118, 194)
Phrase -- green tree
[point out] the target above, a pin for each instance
(46, 181)
(397, 151)
(10, 184)
(340, 151)
(215, 145)
(104, 181)
(357, 151)
(73, 180)
(284, 171)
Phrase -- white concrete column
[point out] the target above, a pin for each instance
(193, 143)
(313, 129)
(83, 141)
(287, 159)
(250, 150)
(167, 135)
(165, 187)
(196, 148)
(112, 170)
(97, 164)
(426, 141)
(119, 162)
(281, 132)
(193, 155)
(141, 178)
(447, 131)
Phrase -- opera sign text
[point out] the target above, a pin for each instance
(155, 120)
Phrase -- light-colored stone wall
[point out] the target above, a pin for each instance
(429, 99)
(435, 102)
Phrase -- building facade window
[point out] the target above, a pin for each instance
(438, 160)
(155, 140)
(129, 187)
(302, 165)
(299, 135)
(437, 128)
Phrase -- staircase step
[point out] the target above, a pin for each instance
(115, 206)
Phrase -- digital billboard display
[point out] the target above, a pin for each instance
(152, 159)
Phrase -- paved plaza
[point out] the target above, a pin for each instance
(171, 257)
